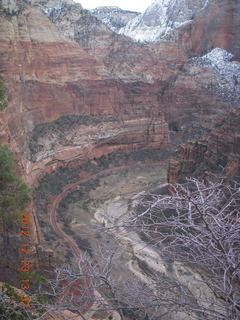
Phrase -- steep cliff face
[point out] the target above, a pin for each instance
(218, 152)
(35, 85)
(217, 25)
(75, 138)
(176, 78)
(102, 74)
(215, 22)
(78, 91)
(125, 59)
(49, 76)
(114, 17)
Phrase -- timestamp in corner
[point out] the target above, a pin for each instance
(25, 262)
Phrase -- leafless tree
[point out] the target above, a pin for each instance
(197, 224)
(86, 286)
(195, 229)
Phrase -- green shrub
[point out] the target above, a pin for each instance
(10, 292)
(3, 102)
(10, 307)
(14, 193)
(35, 278)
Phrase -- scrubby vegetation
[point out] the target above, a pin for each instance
(14, 193)
(14, 196)
(53, 184)
(3, 102)
(194, 228)
(10, 308)
(77, 195)
(60, 126)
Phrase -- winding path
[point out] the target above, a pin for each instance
(72, 187)
(57, 228)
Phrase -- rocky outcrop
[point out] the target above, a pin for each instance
(82, 98)
(86, 132)
(114, 17)
(116, 77)
(50, 77)
(125, 59)
(161, 18)
(35, 85)
(215, 22)
(75, 137)
(217, 25)
(226, 70)
(219, 152)
(76, 90)
(102, 74)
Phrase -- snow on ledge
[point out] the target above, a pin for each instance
(226, 71)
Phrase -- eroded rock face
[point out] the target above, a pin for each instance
(217, 25)
(48, 76)
(160, 18)
(37, 63)
(77, 91)
(86, 132)
(198, 26)
(74, 137)
(218, 151)
(114, 17)
(225, 69)
(125, 59)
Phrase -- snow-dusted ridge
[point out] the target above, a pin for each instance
(49, 6)
(114, 17)
(160, 18)
(225, 70)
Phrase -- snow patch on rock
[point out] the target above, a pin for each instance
(50, 6)
(225, 70)
(114, 17)
(149, 25)
(160, 18)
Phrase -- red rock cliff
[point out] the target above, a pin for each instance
(217, 25)
(132, 96)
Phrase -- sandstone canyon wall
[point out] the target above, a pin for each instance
(78, 91)
(216, 153)
(217, 25)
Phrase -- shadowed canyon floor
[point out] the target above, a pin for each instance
(116, 192)
(122, 183)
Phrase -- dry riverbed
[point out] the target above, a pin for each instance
(111, 198)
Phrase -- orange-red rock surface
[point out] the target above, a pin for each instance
(48, 75)
(216, 26)
(157, 98)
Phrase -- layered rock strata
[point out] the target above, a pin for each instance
(48, 76)
(215, 22)
(77, 93)
(79, 137)
(43, 89)
(125, 59)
